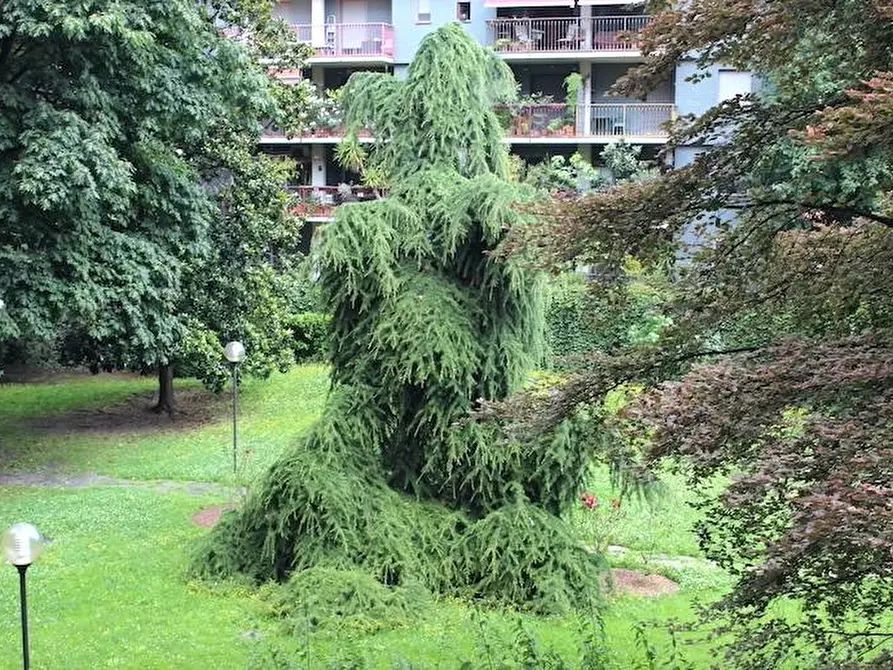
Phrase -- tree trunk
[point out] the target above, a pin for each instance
(165, 390)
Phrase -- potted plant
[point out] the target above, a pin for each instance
(556, 126)
(522, 124)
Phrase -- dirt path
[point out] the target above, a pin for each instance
(92, 479)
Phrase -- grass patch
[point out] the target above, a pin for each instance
(273, 413)
(25, 401)
(111, 591)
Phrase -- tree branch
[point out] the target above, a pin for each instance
(850, 212)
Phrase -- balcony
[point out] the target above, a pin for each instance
(317, 203)
(598, 36)
(641, 123)
(349, 42)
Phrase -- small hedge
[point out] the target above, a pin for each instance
(310, 334)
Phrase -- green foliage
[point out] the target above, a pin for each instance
(624, 164)
(570, 317)
(573, 84)
(246, 287)
(440, 117)
(395, 480)
(309, 331)
(522, 554)
(348, 600)
(150, 230)
(101, 202)
(585, 317)
(577, 175)
(564, 175)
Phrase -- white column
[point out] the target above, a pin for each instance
(318, 165)
(318, 77)
(585, 101)
(586, 27)
(317, 22)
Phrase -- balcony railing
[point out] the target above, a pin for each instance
(598, 33)
(319, 202)
(641, 120)
(636, 120)
(349, 40)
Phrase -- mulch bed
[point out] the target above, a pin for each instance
(635, 583)
(209, 516)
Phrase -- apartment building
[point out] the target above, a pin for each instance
(543, 41)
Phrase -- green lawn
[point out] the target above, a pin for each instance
(272, 413)
(111, 590)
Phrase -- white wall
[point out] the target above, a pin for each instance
(296, 12)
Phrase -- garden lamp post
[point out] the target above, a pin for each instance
(22, 545)
(235, 354)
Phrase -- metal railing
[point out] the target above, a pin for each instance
(319, 202)
(598, 33)
(349, 40)
(645, 119)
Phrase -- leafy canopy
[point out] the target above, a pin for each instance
(138, 227)
(787, 307)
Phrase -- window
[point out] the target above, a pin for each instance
(423, 11)
(732, 83)
(463, 11)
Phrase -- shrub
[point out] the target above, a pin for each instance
(328, 598)
(523, 555)
(585, 317)
(425, 321)
(310, 333)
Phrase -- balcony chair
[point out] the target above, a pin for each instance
(573, 39)
(522, 35)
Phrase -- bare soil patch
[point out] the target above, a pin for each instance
(194, 407)
(209, 516)
(636, 583)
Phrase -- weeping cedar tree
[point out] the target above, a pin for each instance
(113, 114)
(391, 479)
(787, 316)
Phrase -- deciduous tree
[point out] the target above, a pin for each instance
(115, 118)
(783, 310)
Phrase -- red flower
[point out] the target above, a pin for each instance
(589, 500)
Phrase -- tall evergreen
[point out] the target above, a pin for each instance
(395, 478)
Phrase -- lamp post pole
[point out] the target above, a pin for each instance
(234, 352)
(235, 412)
(26, 655)
(22, 544)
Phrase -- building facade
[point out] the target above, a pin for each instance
(547, 43)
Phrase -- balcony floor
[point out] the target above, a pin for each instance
(544, 140)
(351, 60)
(571, 56)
